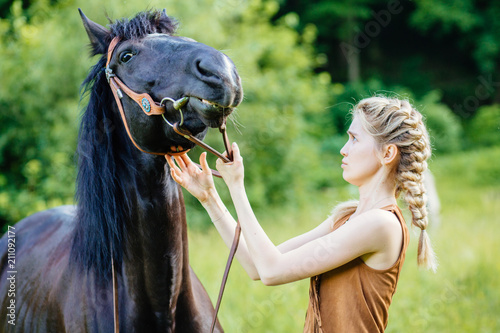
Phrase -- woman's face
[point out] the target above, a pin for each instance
(361, 155)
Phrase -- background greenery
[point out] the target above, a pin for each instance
(303, 65)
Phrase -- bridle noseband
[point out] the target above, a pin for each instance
(150, 108)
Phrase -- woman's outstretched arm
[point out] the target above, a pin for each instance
(226, 226)
(200, 184)
(370, 232)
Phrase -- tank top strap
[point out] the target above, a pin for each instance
(393, 208)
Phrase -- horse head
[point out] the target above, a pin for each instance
(160, 64)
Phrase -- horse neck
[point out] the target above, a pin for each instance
(155, 248)
(157, 211)
(129, 208)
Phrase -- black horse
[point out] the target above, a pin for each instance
(129, 208)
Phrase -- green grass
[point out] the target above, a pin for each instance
(463, 296)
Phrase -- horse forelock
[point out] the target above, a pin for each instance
(143, 24)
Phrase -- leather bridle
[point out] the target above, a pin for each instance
(150, 108)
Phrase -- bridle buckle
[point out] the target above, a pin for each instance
(109, 73)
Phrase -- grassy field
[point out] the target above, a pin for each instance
(463, 296)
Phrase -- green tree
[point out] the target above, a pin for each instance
(474, 30)
(41, 69)
(341, 27)
(475, 21)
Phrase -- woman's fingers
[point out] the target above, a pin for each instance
(174, 175)
(169, 160)
(221, 162)
(174, 170)
(180, 162)
(193, 168)
(236, 155)
(171, 163)
(185, 158)
(236, 152)
(204, 163)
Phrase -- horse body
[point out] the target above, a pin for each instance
(129, 208)
(156, 287)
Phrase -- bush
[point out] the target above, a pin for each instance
(41, 69)
(444, 127)
(484, 129)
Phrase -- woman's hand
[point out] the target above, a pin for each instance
(198, 182)
(232, 172)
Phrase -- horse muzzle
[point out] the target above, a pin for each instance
(210, 113)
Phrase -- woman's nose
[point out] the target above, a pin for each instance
(343, 151)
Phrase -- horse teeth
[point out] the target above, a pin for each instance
(204, 101)
(179, 148)
(172, 148)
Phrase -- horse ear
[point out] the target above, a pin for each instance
(164, 12)
(98, 35)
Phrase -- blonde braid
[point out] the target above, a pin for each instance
(394, 121)
(410, 179)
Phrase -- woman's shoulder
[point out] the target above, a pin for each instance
(383, 221)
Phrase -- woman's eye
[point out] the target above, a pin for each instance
(126, 57)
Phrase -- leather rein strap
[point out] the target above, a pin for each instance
(150, 107)
(232, 253)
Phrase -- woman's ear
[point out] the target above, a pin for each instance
(391, 152)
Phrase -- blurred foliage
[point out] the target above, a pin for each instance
(484, 129)
(422, 44)
(475, 167)
(445, 129)
(476, 24)
(41, 68)
(292, 122)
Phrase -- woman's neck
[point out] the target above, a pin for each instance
(378, 193)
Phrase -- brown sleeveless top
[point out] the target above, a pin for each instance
(354, 297)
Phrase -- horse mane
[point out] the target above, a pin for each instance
(106, 165)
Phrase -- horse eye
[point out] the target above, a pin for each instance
(126, 56)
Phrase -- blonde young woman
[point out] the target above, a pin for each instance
(355, 256)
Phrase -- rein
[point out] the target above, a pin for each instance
(150, 107)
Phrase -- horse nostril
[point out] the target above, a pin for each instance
(206, 70)
(202, 70)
